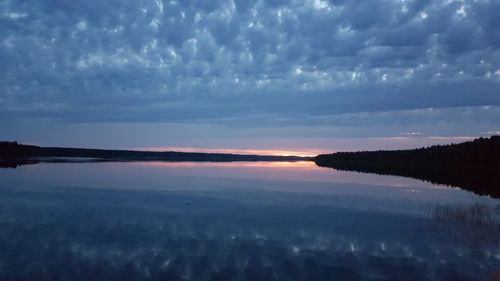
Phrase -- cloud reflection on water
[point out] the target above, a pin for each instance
(231, 221)
(129, 235)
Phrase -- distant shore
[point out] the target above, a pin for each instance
(13, 152)
(473, 165)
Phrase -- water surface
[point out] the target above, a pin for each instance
(238, 221)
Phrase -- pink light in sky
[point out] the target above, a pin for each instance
(314, 146)
(256, 164)
(285, 152)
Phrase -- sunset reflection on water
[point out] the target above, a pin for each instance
(142, 219)
(256, 164)
(303, 171)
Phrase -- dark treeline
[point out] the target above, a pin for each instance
(473, 165)
(13, 153)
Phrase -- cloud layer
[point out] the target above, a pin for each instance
(227, 62)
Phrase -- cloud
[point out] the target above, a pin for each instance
(185, 61)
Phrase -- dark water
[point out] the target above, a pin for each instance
(239, 221)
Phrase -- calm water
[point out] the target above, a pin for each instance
(239, 221)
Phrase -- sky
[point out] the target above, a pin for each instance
(294, 75)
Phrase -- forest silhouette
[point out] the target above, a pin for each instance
(13, 154)
(472, 165)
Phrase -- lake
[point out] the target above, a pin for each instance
(239, 221)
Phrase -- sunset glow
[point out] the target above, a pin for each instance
(274, 152)
(256, 164)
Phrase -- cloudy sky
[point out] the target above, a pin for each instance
(290, 74)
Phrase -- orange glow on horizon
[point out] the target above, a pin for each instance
(257, 164)
(273, 152)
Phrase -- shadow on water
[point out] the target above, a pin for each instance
(482, 181)
(16, 163)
